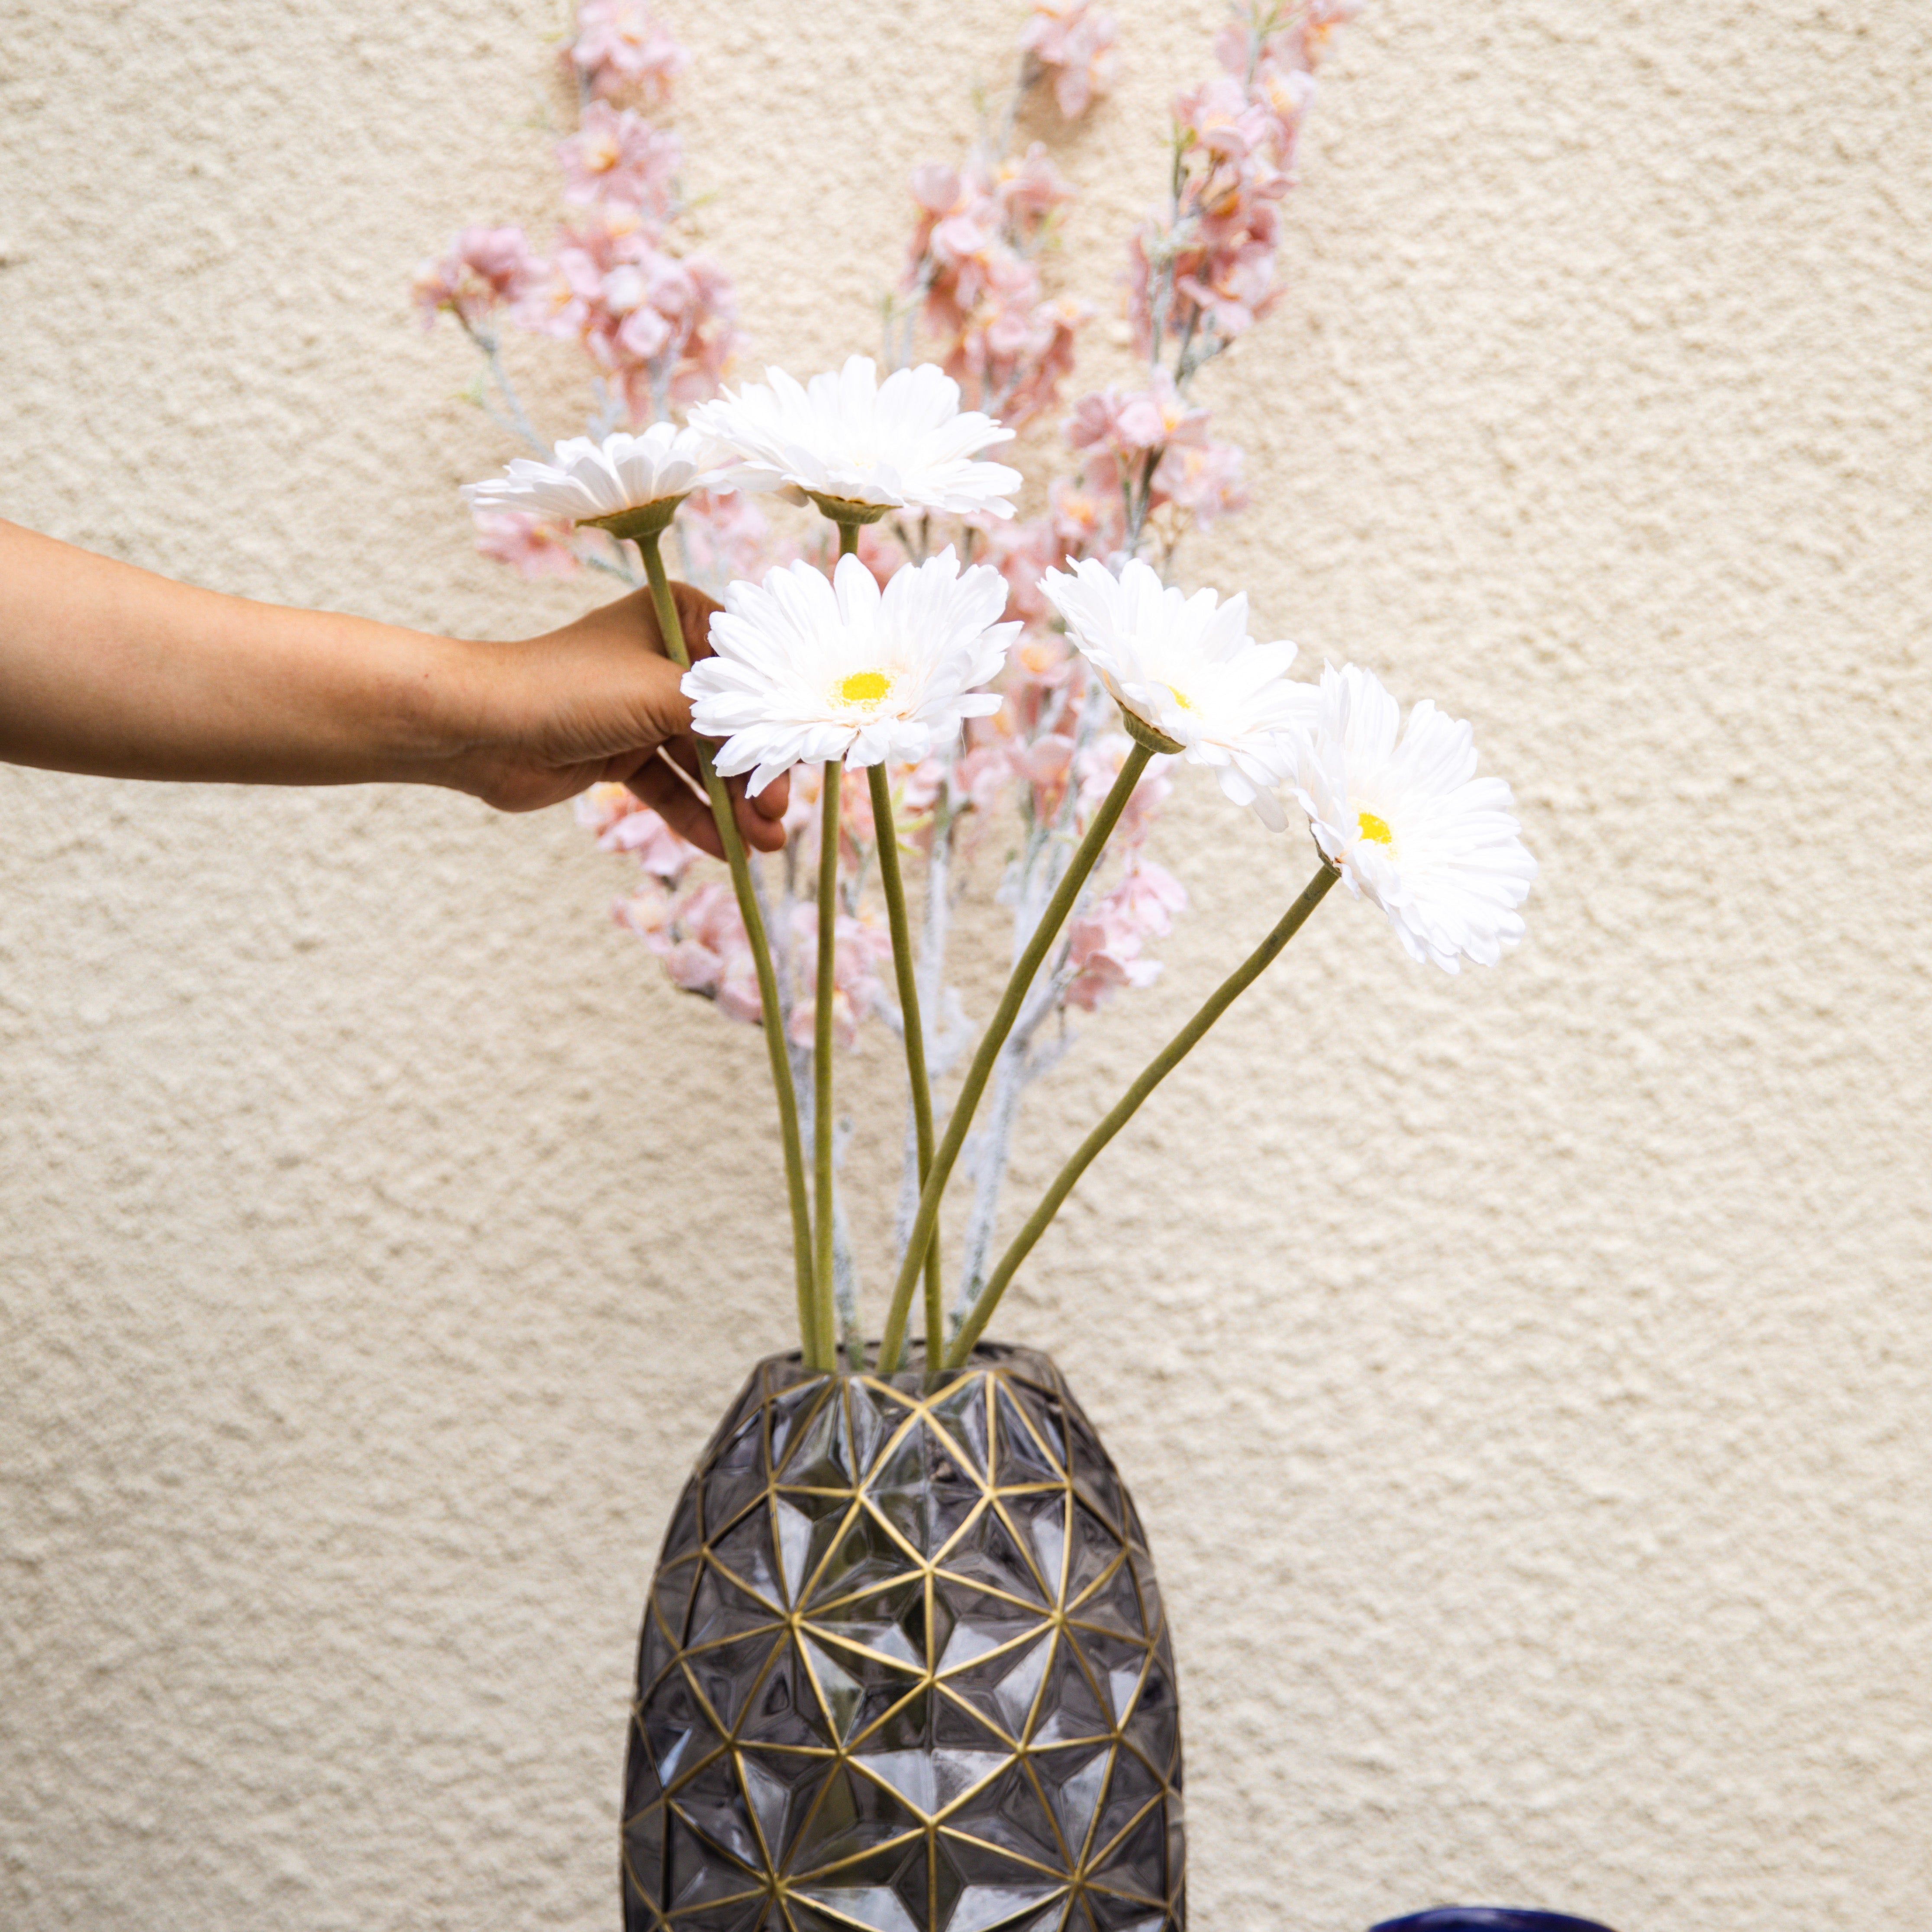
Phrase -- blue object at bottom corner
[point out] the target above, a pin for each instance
(1488, 1918)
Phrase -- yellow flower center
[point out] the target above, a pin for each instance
(1375, 828)
(1181, 698)
(602, 154)
(864, 687)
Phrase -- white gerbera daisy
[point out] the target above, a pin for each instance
(1185, 669)
(807, 669)
(1409, 825)
(852, 443)
(626, 484)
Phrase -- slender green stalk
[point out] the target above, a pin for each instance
(848, 539)
(1156, 1071)
(980, 1072)
(672, 631)
(915, 1036)
(821, 1050)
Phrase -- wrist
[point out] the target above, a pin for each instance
(440, 698)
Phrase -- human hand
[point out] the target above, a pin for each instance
(596, 701)
(115, 671)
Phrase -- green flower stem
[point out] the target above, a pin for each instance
(980, 1072)
(672, 631)
(915, 1035)
(1156, 1071)
(821, 1052)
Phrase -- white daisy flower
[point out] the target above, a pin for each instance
(1185, 670)
(850, 441)
(625, 485)
(807, 669)
(1409, 825)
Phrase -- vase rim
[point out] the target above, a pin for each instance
(986, 1354)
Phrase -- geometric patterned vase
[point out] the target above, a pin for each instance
(903, 1669)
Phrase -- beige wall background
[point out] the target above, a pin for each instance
(1524, 1377)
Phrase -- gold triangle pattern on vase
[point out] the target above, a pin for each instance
(905, 1668)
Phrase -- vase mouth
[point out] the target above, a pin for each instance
(913, 1370)
(1488, 1918)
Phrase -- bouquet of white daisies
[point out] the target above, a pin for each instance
(885, 671)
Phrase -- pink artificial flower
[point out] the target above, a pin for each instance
(855, 810)
(616, 156)
(1045, 360)
(661, 326)
(1233, 289)
(958, 230)
(737, 995)
(618, 45)
(1149, 898)
(1045, 765)
(860, 952)
(695, 931)
(531, 546)
(1096, 768)
(709, 914)
(1104, 961)
(485, 268)
(935, 187)
(1159, 416)
(1218, 116)
(1237, 135)
(724, 536)
(692, 967)
(920, 786)
(1132, 423)
(621, 822)
(646, 914)
(1095, 423)
(664, 854)
(1022, 550)
(1287, 94)
(969, 258)
(1074, 42)
(1297, 46)
(1204, 480)
(600, 808)
(1228, 269)
(1089, 518)
(1045, 659)
(1031, 189)
(1105, 944)
(1001, 757)
(983, 772)
(710, 340)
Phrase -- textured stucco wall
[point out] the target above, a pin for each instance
(1524, 1377)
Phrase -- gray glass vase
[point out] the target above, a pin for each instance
(905, 1668)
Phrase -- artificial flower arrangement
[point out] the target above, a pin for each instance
(849, 676)
(905, 1666)
(1028, 665)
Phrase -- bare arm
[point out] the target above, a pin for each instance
(112, 670)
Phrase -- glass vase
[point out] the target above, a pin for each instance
(905, 1668)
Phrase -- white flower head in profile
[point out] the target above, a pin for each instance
(850, 441)
(807, 669)
(1185, 669)
(625, 484)
(1407, 822)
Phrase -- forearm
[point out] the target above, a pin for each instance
(113, 671)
